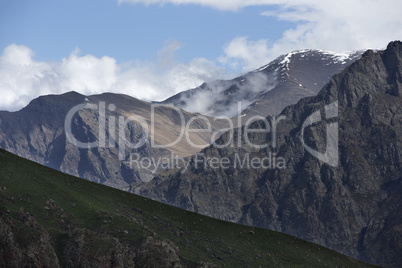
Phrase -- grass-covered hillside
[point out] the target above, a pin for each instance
(51, 219)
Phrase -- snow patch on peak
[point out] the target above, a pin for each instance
(286, 60)
(341, 57)
(333, 57)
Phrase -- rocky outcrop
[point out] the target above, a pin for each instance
(17, 250)
(348, 199)
(85, 248)
(25, 243)
(156, 253)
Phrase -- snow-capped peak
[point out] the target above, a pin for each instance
(334, 57)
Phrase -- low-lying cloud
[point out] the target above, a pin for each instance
(222, 98)
(23, 79)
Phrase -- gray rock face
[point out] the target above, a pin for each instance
(37, 132)
(352, 205)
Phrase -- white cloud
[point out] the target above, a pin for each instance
(166, 54)
(205, 101)
(248, 55)
(23, 79)
(339, 25)
(330, 25)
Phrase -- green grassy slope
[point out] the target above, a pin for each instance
(62, 203)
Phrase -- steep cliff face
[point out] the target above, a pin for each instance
(341, 184)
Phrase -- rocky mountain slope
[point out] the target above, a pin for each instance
(337, 180)
(37, 132)
(50, 219)
(112, 122)
(268, 90)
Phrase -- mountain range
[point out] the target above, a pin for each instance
(269, 89)
(345, 197)
(50, 219)
(341, 182)
(37, 131)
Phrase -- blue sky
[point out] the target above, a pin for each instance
(152, 49)
(54, 28)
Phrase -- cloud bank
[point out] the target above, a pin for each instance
(340, 25)
(23, 79)
(329, 25)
